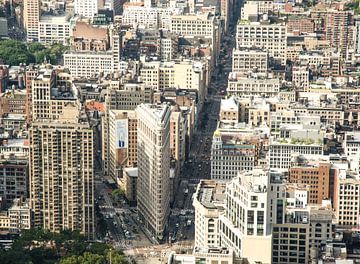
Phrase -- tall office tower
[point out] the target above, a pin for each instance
(339, 29)
(31, 14)
(154, 166)
(61, 173)
(86, 8)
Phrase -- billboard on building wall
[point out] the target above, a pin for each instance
(121, 134)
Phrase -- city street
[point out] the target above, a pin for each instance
(125, 231)
(198, 165)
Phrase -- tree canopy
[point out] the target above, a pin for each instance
(38, 246)
(14, 52)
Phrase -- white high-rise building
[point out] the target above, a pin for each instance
(86, 8)
(208, 202)
(153, 145)
(245, 225)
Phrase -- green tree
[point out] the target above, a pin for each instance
(14, 52)
(68, 247)
(35, 47)
(116, 257)
(117, 194)
(98, 248)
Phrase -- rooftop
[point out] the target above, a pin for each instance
(229, 104)
(55, 18)
(157, 111)
(60, 93)
(210, 193)
(254, 181)
(131, 172)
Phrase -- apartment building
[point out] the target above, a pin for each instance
(244, 226)
(17, 146)
(241, 85)
(296, 226)
(89, 64)
(351, 146)
(356, 34)
(194, 25)
(301, 78)
(148, 17)
(299, 25)
(31, 15)
(256, 8)
(288, 116)
(178, 143)
(315, 59)
(55, 29)
(205, 25)
(347, 199)
(338, 29)
(20, 215)
(13, 122)
(51, 93)
(185, 74)
(4, 78)
(168, 45)
(14, 177)
(315, 174)
(13, 102)
(229, 111)
(86, 8)
(329, 114)
(208, 202)
(294, 140)
(233, 151)
(254, 111)
(264, 35)
(17, 218)
(89, 37)
(62, 173)
(249, 60)
(30, 74)
(153, 196)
